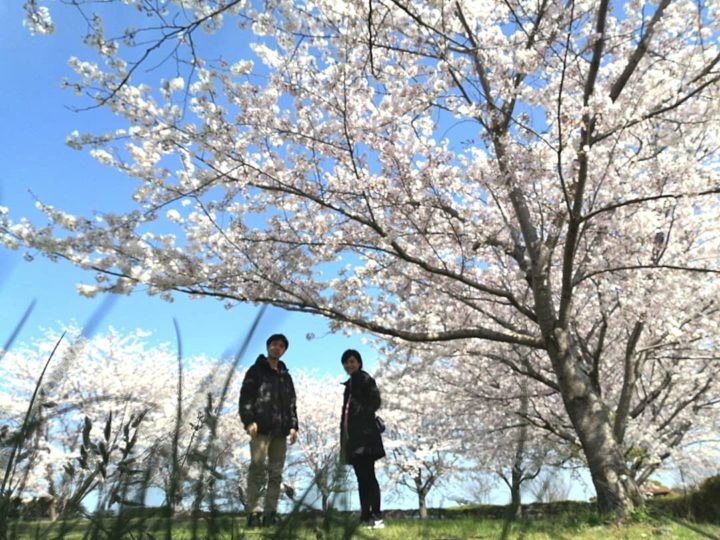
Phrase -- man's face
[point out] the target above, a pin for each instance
(351, 365)
(276, 348)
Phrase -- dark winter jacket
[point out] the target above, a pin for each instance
(360, 402)
(267, 397)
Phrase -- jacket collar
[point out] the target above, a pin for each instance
(263, 362)
(353, 376)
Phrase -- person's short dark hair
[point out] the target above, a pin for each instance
(351, 352)
(278, 337)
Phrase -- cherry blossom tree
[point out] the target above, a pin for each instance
(524, 464)
(425, 434)
(524, 427)
(313, 463)
(81, 410)
(537, 175)
(106, 409)
(488, 409)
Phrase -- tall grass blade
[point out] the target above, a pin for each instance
(239, 355)
(17, 329)
(5, 490)
(212, 415)
(98, 315)
(175, 471)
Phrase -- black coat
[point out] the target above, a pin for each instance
(362, 437)
(267, 397)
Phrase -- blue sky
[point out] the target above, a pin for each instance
(37, 116)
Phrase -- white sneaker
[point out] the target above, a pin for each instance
(378, 524)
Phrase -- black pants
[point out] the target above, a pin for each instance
(367, 486)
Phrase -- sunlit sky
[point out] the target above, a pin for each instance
(37, 115)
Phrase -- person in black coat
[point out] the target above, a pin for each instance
(360, 440)
(268, 413)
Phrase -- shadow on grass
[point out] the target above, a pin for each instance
(523, 529)
(694, 527)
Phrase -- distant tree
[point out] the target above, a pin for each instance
(498, 174)
(490, 410)
(551, 486)
(475, 488)
(521, 469)
(107, 409)
(315, 461)
(424, 436)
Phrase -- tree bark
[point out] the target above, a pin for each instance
(617, 491)
(517, 474)
(515, 495)
(422, 504)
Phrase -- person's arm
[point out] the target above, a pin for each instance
(293, 411)
(366, 394)
(248, 396)
(373, 393)
(293, 405)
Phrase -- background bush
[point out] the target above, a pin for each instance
(701, 504)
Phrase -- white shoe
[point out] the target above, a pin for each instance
(378, 524)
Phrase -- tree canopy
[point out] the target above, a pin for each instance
(531, 182)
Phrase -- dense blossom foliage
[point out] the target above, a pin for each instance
(532, 183)
(97, 396)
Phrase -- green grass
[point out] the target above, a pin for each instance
(559, 527)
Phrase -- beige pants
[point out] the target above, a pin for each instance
(267, 457)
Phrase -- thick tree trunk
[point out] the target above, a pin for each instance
(422, 488)
(53, 509)
(515, 497)
(422, 504)
(517, 473)
(616, 489)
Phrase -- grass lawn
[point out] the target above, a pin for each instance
(451, 528)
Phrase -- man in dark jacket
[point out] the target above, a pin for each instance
(269, 415)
